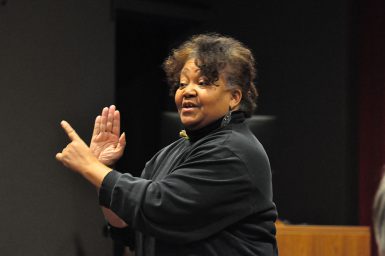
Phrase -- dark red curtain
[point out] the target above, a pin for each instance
(371, 81)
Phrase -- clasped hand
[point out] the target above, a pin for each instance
(106, 145)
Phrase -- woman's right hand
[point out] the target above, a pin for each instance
(106, 144)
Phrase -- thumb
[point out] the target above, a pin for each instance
(70, 131)
(122, 141)
(59, 156)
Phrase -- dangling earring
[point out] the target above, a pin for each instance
(227, 118)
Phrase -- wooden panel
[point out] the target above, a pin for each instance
(304, 240)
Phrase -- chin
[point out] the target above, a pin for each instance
(189, 124)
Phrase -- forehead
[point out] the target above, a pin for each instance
(190, 67)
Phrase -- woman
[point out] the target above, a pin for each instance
(208, 193)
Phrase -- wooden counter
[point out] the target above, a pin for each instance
(308, 240)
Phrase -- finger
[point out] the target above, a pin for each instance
(110, 118)
(116, 125)
(70, 131)
(103, 121)
(59, 157)
(97, 126)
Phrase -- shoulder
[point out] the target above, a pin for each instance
(237, 142)
(244, 144)
(235, 139)
(166, 154)
(175, 146)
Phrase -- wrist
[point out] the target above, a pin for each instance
(109, 160)
(110, 164)
(95, 173)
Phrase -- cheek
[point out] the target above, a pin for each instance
(219, 104)
(215, 100)
(178, 99)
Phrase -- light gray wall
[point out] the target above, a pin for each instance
(56, 62)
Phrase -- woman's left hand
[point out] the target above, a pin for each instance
(107, 144)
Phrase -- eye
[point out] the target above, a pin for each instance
(203, 83)
(182, 85)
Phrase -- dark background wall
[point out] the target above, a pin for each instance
(57, 62)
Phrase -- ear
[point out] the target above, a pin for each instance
(235, 100)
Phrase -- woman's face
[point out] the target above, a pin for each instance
(198, 102)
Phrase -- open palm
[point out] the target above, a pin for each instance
(106, 143)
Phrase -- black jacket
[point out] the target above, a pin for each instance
(210, 194)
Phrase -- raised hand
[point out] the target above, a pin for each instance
(106, 143)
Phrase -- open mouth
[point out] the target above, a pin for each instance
(189, 105)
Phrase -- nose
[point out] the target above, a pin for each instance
(189, 91)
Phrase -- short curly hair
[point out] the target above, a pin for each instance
(214, 54)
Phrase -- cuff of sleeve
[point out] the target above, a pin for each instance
(108, 184)
(126, 236)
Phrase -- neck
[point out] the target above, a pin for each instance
(194, 135)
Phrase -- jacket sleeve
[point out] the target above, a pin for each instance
(205, 194)
(123, 236)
